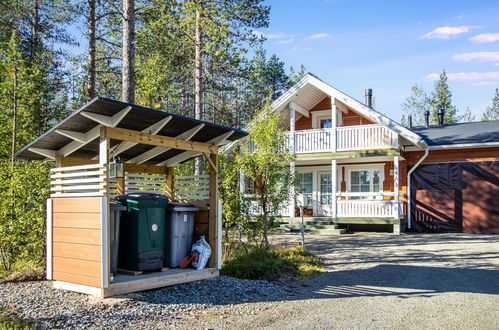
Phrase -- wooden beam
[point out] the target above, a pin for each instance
(156, 151)
(76, 136)
(212, 165)
(213, 212)
(158, 140)
(189, 154)
(169, 183)
(153, 129)
(298, 108)
(140, 168)
(76, 161)
(106, 120)
(94, 132)
(44, 152)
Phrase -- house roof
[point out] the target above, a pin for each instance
(311, 89)
(482, 132)
(78, 134)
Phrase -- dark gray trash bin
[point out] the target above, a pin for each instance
(116, 210)
(179, 232)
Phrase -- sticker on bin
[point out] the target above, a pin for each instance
(185, 217)
(154, 227)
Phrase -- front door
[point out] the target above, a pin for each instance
(325, 194)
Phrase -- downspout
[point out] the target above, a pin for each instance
(426, 152)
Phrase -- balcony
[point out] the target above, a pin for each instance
(348, 138)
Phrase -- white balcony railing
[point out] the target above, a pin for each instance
(363, 137)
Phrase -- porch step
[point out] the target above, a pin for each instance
(323, 229)
(329, 231)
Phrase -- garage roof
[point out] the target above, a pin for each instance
(482, 132)
(78, 134)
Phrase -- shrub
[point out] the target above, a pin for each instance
(257, 262)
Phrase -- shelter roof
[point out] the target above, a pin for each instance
(78, 134)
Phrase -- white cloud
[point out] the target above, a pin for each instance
(466, 76)
(477, 57)
(285, 41)
(485, 38)
(319, 36)
(274, 35)
(446, 32)
(484, 83)
(257, 34)
(459, 17)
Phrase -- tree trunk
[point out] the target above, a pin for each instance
(14, 118)
(91, 51)
(198, 81)
(35, 29)
(128, 74)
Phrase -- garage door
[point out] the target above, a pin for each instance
(456, 197)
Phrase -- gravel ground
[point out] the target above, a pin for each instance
(444, 281)
(51, 308)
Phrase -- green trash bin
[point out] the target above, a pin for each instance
(142, 231)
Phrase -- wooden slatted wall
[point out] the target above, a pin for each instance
(76, 240)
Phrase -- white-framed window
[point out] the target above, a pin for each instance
(305, 188)
(365, 179)
(322, 118)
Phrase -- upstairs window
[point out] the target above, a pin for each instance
(325, 123)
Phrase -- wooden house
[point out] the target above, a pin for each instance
(150, 144)
(357, 166)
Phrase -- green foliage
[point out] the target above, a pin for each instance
(23, 191)
(440, 99)
(257, 262)
(9, 321)
(235, 209)
(415, 105)
(492, 111)
(264, 159)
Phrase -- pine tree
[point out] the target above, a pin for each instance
(441, 100)
(492, 111)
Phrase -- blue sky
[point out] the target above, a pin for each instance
(391, 45)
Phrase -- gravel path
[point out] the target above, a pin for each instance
(410, 281)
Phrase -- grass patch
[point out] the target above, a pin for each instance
(273, 264)
(8, 321)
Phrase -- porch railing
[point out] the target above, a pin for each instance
(363, 137)
(368, 208)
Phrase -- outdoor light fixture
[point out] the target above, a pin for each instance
(116, 168)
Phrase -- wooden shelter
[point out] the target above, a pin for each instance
(150, 143)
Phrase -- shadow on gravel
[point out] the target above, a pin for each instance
(405, 281)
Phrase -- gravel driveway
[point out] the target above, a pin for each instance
(444, 281)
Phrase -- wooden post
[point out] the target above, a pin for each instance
(334, 189)
(292, 141)
(105, 211)
(396, 210)
(213, 213)
(169, 183)
(333, 125)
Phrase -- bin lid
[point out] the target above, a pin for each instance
(182, 207)
(144, 195)
(117, 207)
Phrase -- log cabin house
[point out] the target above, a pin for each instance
(356, 166)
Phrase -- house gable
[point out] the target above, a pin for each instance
(310, 88)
